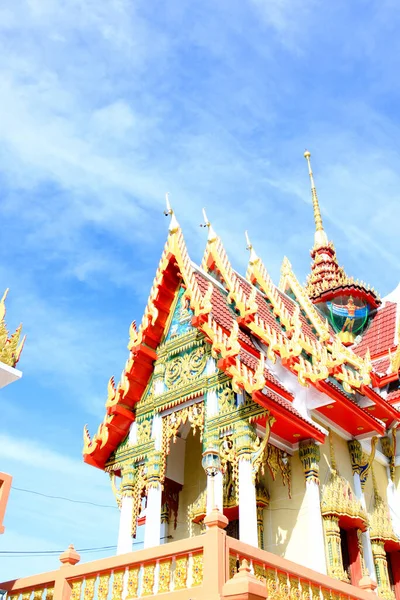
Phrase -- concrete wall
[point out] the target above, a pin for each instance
(285, 522)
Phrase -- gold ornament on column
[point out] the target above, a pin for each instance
(309, 455)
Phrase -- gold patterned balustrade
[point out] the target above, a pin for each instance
(203, 567)
(167, 568)
(285, 580)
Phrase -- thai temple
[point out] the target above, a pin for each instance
(251, 439)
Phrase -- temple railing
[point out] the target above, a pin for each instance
(284, 579)
(168, 568)
(203, 567)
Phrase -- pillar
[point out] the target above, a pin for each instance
(356, 452)
(309, 455)
(382, 573)
(247, 503)
(260, 526)
(334, 549)
(215, 492)
(124, 543)
(365, 535)
(164, 524)
(393, 499)
(244, 445)
(152, 531)
(155, 461)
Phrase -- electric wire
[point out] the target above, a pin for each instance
(63, 498)
(49, 553)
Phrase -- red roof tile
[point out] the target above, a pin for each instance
(393, 396)
(380, 335)
(381, 365)
(251, 362)
(224, 316)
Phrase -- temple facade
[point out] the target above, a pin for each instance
(268, 411)
(275, 404)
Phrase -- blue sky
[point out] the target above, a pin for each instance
(105, 106)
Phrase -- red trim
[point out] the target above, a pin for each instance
(355, 556)
(382, 381)
(356, 291)
(381, 402)
(287, 424)
(362, 418)
(394, 558)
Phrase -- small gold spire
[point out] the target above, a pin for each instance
(253, 256)
(320, 235)
(212, 236)
(174, 225)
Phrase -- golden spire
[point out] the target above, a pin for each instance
(253, 256)
(212, 236)
(320, 237)
(174, 225)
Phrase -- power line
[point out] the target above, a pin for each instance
(63, 498)
(34, 552)
(50, 553)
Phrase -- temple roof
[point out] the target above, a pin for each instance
(253, 328)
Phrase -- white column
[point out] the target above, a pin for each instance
(365, 536)
(133, 434)
(393, 499)
(214, 492)
(247, 504)
(124, 544)
(314, 553)
(164, 532)
(152, 531)
(316, 549)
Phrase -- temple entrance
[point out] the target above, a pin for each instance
(184, 467)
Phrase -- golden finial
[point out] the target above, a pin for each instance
(3, 305)
(212, 236)
(174, 225)
(253, 256)
(320, 236)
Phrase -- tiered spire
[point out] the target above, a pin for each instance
(326, 274)
(320, 237)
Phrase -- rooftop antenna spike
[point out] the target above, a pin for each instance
(174, 225)
(320, 236)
